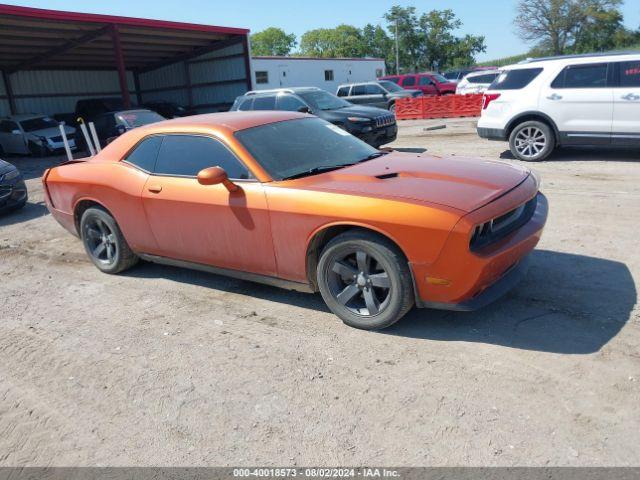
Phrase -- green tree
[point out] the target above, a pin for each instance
(403, 22)
(342, 41)
(377, 44)
(568, 26)
(272, 41)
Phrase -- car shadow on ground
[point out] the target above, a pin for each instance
(587, 154)
(26, 213)
(571, 304)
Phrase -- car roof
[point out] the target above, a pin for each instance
(271, 91)
(581, 58)
(232, 121)
(479, 73)
(361, 83)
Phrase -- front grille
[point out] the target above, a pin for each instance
(385, 121)
(58, 139)
(499, 227)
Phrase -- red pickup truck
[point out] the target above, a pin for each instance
(432, 84)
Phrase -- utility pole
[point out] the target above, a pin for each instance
(397, 50)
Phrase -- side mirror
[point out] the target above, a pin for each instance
(16, 132)
(215, 176)
(304, 109)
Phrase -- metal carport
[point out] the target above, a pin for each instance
(50, 59)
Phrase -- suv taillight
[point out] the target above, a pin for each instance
(488, 98)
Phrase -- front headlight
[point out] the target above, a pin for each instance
(10, 175)
(358, 119)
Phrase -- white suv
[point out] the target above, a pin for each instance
(574, 100)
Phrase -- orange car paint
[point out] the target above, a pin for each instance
(425, 204)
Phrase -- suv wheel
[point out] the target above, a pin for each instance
(532, 141)
(365, 280)
(392, 108)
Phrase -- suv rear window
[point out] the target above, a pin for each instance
(265, 103)
(488, 78)
(515, 79)
(343, 92)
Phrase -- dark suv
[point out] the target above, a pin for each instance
(372, 125)
(382, 94)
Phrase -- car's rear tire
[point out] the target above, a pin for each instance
(104, 243)
(532, 141)
(365, 280)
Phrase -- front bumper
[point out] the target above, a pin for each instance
(464, 280)
(13, 194)
(377, 136)
(492, 133)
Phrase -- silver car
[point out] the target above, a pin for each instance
(37, 135)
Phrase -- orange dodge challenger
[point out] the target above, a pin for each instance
(290, 200)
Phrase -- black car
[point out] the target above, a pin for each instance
(13, 191)
(169, 109)
(372, 125)
(380, 93)
(113, 124)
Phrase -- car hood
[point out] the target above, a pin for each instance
(358, 110)
(462, 184)
(5, 167)
(405, 93)
(51, 132)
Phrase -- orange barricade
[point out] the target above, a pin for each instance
(446, 106)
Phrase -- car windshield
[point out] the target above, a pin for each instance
(390, 86)
(321, 100)
(303, 146)
(137, 118)
(39, 123)
(440, 78)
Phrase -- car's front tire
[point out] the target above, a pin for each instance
(532, 141)
(365, 280)
(104, 243)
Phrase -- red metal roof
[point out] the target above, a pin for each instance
(59, 15)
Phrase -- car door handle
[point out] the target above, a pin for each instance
(631, 96)
(555, 96)
(154, 188)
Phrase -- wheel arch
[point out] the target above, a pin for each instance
(324, 234)
(532, 116)
(83, 205)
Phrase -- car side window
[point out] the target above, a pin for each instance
(290, 103)
(371, 89)
(343, 92)
(186, 155)
(630, 74)
(409, 81)
(582, 76)
(246, 104)
(425, 81)
(265, 103)
(145, 153)
(357, 90)
(7, 126)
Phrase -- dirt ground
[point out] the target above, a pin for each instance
(163, 366)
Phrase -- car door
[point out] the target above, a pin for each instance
(357, 96)
(580, 101)
(409, 82)
(427, 85)
(207, 224)
(626, 104)
(12, 138)
(376, 96)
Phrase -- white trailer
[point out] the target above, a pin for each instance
(325, 73)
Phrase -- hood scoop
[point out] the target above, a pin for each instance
(384, 176)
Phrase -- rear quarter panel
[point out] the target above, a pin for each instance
(115, 185)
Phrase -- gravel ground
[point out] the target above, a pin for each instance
(162, 366)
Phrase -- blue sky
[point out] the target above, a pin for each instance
(493, 19)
